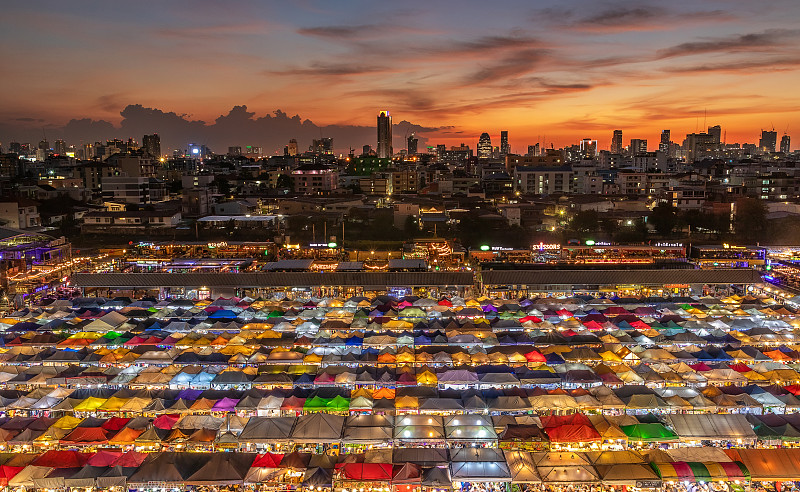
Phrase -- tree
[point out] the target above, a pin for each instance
(222, 185)
(284, 181)
(750, 222)
(663, 218)
(585, 221)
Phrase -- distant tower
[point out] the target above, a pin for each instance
(485, 146)
(616, 142)
(412, 143)
(291, 149)
(152, 144)
(638, 146)
(588, 148)
(716, 134)
(505, 149)
(384, 134)
(785, 144)
(663, 146)
(768, 140)
(60, 147)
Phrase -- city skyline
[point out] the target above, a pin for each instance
(553, 72)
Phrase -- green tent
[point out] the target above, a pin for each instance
(338, 404)
(649, 432)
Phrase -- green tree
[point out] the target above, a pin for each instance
(663, 218)
(284, 181)
(750, 222)
(585, 221)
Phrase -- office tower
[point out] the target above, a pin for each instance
(663, 145)
(322, 145)
(234, 151)
(412, 143)
(533, 150)
(291, 149)
(616, 142)
(785, 144)
(384, 134)
(698, 146)
(638, 146)
(15, 148)
(152, 144)
(60, 147)
(588, 148)
(768, 140)
(716, 134)
(484, 146)
(505, 149)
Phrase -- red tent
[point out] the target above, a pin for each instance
(700, 366)
(7, 473)
(536, 357)
(130, 459)
(572, 419)
(115, 423)
(572, 433)
(741, 368)
(104, 458)
(531, 318)
(593, 325)
(293, 403)
(62, 459)
(167, 420)
(368, 472)
(268, 460)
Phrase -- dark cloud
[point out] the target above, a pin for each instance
(513, 65)
(29, 120)
(238, 127)
(627, 16)
(319, 69)
(761, 41)
(737, 66)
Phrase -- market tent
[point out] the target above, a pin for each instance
(713, 427)
(777, 464)
(318, 427)
(701, 471)
(222, 469)
(522, 467)
(367, 472)
(366, 429)
(479, 465)
(267, 429)
(565, 467)
(649, 432)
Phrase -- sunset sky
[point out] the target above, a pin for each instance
(544, 70)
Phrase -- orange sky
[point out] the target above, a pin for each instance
(546, 71)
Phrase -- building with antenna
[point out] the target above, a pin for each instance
(768, 140)
(786, 144)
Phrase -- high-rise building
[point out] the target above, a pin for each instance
(616, 142)
(663, 145)
(485, 146)
(60, 147)
(588, 148)
(716, 134)
(505, 149)
(698, 146)
(152, 144)
(235, 151)
(533, 150)
(291, 149)
(412, 143)
(768, 141)
(638, 146)
(384, 134)
(786, 144)
(322, 145)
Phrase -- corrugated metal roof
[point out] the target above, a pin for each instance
(620, 277)
(271, 279)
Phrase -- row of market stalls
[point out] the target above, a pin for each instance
(399, 469)
(324, 431)
(424, 400)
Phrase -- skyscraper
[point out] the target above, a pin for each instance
(785, 144)
(768, 140)
(588, 148)
(152, 144)
(485, 146)
(616, 142)
(60, 147)
(505, 149)
(663, 146)
(716, 133)
(412, 143)
(638, 146)
(384, 134)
